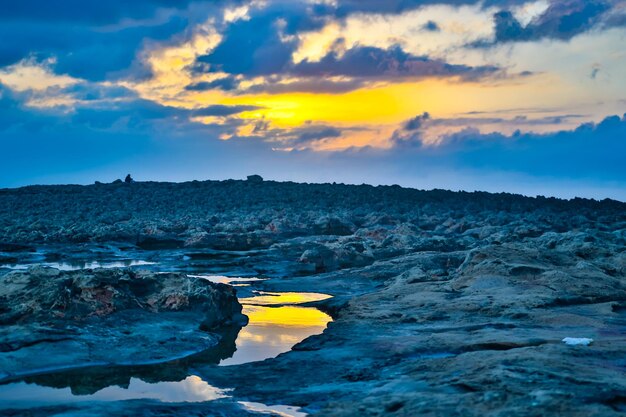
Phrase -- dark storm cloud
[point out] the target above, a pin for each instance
(298, 138)
(112, 108)
(100, 40)
(595, 150)
(562, 20)
(134, 114)
(310, 134)
(417, 122)
(592, 149)
(139, 113)
(361, 64)
(96, 40)
(411, 133)
(79, 50)
(372, 62)
(88, 12)
(251, 47)
(260, 45)
(225, 84)
(348, 7)
(431, 26)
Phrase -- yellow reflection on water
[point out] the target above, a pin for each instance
(275, 330)
(269, 298)
(286, 316)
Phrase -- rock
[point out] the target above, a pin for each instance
(255, 178)
(443, 303)
(330, 225)
(112, 316)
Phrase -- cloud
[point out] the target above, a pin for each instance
(431, 26)
(94, 13)
(347, 7)
(221, 110)
(276, 85)
(372, 62)
(338, 71)
(590, 150)
(417, 122)
(561, 20)
(308, 136)
(260, 49)
(114, 109)
(225, 84)
(96, 92)
(423, 130)
(81, 51)
(263, 43)
(97, 40)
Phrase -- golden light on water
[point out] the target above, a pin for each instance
(287, 316)
(273, 330)
(269, 298)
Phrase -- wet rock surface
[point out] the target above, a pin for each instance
(465, 333)
(445, 304)
(51, 320)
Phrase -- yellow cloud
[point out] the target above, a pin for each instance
(29, 75)
(171, 75)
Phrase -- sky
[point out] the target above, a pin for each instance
(496, 95)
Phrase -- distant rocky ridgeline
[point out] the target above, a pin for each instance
(239, 215)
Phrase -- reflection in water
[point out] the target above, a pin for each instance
(274, 330)
(274, 410)
(221, 279)
(190, 389)
(274, 327)
(74, 266)
(89, 380)
(264, 298)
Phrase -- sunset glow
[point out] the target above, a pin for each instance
(278, 84)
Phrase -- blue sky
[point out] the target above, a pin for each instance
(512, 95)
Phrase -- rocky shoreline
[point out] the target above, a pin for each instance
(52, 320)
(444, 304)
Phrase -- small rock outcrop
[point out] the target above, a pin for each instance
(255, 178)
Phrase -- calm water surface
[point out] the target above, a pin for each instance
(277, 323)
(75, 266)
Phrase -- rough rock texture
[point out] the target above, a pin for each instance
(240, 215)
(53, 320)
(466, 333)
(445, 304)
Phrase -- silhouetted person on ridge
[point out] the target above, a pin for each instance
(128, 179)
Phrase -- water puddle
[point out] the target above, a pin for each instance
(263, 298)
(277, 323)
(75, 266)
(274, 330)
(191, 389)
(274, 410)
(234, 281)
